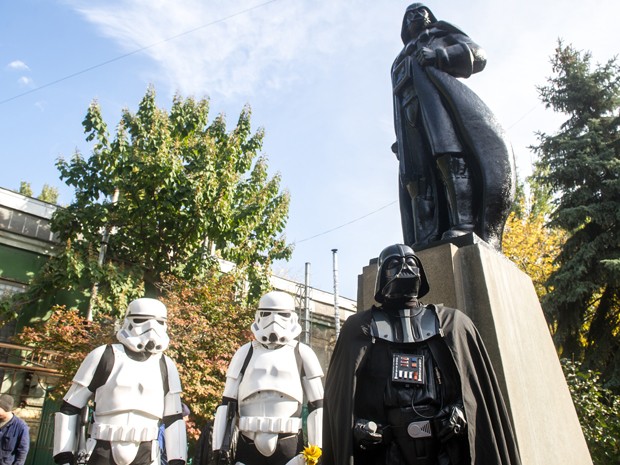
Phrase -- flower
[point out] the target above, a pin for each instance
(311, 454)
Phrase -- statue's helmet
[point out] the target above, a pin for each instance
(276, 322)
(400, 275)
(145, 326)
(404, 31)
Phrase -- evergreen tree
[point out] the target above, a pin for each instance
(580, 166)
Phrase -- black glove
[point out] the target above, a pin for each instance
(451, 422)
(221, 457)
(365, 434)
(64, 458)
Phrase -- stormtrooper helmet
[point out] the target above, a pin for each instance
(400, 275)
(144, 327)
(276, 321)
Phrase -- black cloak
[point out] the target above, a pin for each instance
(490, 435)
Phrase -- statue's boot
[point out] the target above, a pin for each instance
(426, 222)
(458, 183)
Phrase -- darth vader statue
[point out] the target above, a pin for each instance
(456, 173)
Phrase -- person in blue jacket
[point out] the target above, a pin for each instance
(14, 434)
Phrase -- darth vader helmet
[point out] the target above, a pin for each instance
(276, 321)
(400, 275)
(145, 326)
(414, 8)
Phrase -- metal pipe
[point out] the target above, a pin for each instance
(105, 238)
(307, 321)
(336, 308)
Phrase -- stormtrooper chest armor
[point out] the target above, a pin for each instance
(274, 370)
(132, 386)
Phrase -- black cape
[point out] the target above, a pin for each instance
(490, 435)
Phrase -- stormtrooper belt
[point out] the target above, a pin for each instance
(123, 433)
(270, 424)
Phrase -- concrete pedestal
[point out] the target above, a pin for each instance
(502, 302)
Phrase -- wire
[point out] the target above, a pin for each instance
(120, 57)
(346, 224)
(523, 117)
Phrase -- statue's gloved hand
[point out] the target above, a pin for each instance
(365, 434)
(450, 422)
(426, 57)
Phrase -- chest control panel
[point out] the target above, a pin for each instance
(408, 368)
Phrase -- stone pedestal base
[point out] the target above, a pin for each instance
(501, 301)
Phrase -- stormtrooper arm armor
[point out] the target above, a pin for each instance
(313, 387)
(67, 419)
(175, 435)
(231, 390)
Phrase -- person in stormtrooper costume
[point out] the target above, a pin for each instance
(265, 386)
(135, 387)
(412, 384)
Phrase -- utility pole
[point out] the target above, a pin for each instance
(105, 238)
(336, 308)
(307, 322)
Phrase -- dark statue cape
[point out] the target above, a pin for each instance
(491, 440)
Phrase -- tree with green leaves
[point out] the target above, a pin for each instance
(580, 166)
(169, 194)
(528, 241)
(48, 193)
(599, 412)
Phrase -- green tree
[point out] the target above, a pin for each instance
(48, 193)
(25, 189)
(528, 241)
(598, 410)
(165, 194)
(580, 165)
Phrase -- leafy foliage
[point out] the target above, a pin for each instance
(48, 193)
(598, 410)
(580, 166)
(166, 193)
(208, 322)
(72, 337)
(529, 242)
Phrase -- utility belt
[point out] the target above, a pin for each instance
(446, 424)
(270, 424)
(123, 433)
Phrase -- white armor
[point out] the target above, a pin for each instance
(130, 402)
(271, 390)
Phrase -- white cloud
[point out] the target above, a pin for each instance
(25, 81)
(18, 65)
(233, 48)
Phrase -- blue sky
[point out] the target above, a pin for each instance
(316, 74)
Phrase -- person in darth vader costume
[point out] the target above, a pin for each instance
(412, 384)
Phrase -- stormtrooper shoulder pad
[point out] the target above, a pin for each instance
(312, 367)
(238, 361)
